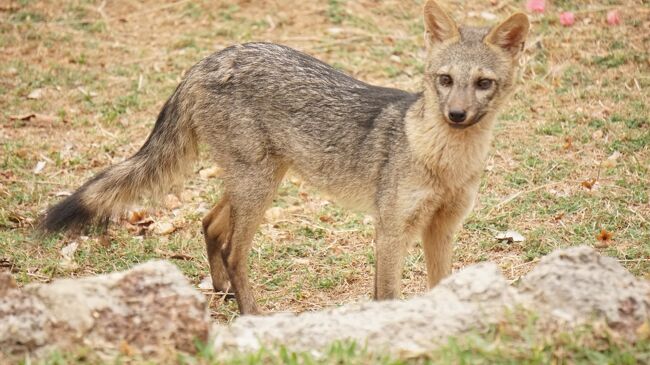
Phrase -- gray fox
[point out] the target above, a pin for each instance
(411, 160)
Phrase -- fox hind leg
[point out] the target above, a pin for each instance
(232, 224)
(216, 231)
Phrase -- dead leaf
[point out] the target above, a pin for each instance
(597, 134)
(610, 162)
(488, 16)
(643, 331)
(104, 240)
(37, 120)
(294, 209)
(7, 174)
(40, 165)
(137, 216)
(206, 283)
(126, 349)
(568, 143)
(335, 31)
(295, 180)
(69, 250)
(43, 119)
(214, 171)
(274, 214)
(67, 256)
(5, 263)
(19, 220)
(86, 92)
(35, 94)
(201, 209)
(367, 220)
(589, 184)
(510, 236)
(174, 255)
(559, 193)
(300, 261)
(326, 219)
(7, 283)
(604, 239)
(21, 116)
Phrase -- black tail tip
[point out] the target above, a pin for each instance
(71, 213)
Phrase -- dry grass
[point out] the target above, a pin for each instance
(104, 69)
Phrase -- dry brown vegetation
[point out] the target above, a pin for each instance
(81, 82)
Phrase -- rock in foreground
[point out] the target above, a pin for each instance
(152, 309)
(149, 309)
(568, 288)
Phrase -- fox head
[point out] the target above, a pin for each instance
(469, 70)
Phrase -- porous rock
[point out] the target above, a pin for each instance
(473, 298)
(577, 284)
(569, 287)
(149, 309)
(152, 309)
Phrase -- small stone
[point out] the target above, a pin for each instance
(35, 94)
(206, 283)
(510, 236)
(172, 202)
(211, 172)
(274, 214)
(163, 228)
(610, 162)
(597, 134)
(487, 15)
(69, 250)
(39, 167)
(7, 283)
(367, 220)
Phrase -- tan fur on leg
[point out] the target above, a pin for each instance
(437, 237)
(438, 251)
(217, 230)
(250, 191)
(390, 252)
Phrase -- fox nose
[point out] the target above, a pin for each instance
(457, 116)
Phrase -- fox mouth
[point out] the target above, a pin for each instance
(467, 123)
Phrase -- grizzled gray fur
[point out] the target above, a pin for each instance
(413, 161)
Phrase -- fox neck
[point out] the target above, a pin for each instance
(450, 154)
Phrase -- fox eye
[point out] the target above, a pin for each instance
(484, 84)
(445, 80)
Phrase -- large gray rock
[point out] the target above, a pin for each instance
(152, 309)
(568, 288)
(149, 309)
(577, 284)
(472, 298)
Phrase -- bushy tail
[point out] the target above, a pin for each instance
(160, 163)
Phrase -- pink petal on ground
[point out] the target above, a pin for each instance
(567, 18)
(536, 6)
(613, 17)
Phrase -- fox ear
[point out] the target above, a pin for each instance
(437, 24)
(511, 34)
